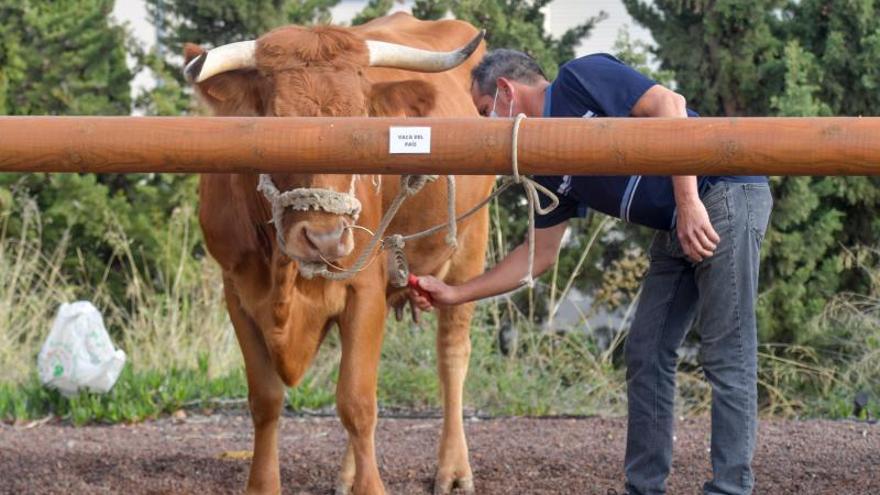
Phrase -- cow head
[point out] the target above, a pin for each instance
(315, 72)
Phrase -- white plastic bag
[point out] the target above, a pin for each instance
(78, 352)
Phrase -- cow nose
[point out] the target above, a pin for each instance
(330, 242)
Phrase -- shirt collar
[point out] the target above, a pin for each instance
(547, 100)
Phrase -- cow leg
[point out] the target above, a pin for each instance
(265, 397)
(453, 352)
(361, 330)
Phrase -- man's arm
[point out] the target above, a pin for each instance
(503, 277)
(695, 232)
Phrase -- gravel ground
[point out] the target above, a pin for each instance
(202, 454)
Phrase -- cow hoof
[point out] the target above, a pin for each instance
(444, 486)
(343, 488)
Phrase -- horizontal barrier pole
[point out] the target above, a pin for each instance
(462, 146)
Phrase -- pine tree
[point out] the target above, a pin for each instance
(516, 24)
(65, 58)
(831, 69)
(725, 54)
(768, 57)
(217, 22)
(62, 58)
(373, 10)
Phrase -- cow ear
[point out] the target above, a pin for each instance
(238, 92)
(191, 51)
(410, 98)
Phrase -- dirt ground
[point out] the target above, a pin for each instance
(200, 454)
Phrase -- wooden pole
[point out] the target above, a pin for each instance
(701, 146)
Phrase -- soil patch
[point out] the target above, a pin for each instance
(200, 454)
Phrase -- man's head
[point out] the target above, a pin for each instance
(502, 79)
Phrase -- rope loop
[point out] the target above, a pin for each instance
(531, 189)
(452, 230)
(514, 148)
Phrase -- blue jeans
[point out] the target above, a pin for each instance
(721, 292)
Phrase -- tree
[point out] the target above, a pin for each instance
(56, 63)
(516, 24)
(217, 22)
(636, 53)
(373, 10)
(65, 58)
(831, 69)
(768, 57)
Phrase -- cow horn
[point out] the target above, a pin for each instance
(240, 55)
(383, 54)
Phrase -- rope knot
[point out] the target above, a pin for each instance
(411, 184)
(398, 267)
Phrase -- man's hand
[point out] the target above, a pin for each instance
(506, 276)
(695, 232)
(441, 294)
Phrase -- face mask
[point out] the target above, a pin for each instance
(493, 113)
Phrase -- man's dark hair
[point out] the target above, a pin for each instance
(511, 64)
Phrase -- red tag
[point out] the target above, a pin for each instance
(413, 282)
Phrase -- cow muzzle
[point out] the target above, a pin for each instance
(313, 241)
(309, 241)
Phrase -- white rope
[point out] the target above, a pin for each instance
(531, 189)
(452, 232)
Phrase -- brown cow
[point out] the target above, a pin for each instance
(280, 316)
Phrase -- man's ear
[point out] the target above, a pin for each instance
(410, 98)
(504, 87)
(237, 92)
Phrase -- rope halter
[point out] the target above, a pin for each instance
(305, 199)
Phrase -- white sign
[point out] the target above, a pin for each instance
(413, 140)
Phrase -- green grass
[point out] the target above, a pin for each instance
(559, 374)
(135, 397)
(182, 352)
(554, 374)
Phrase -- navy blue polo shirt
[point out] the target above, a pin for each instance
(600, 85)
